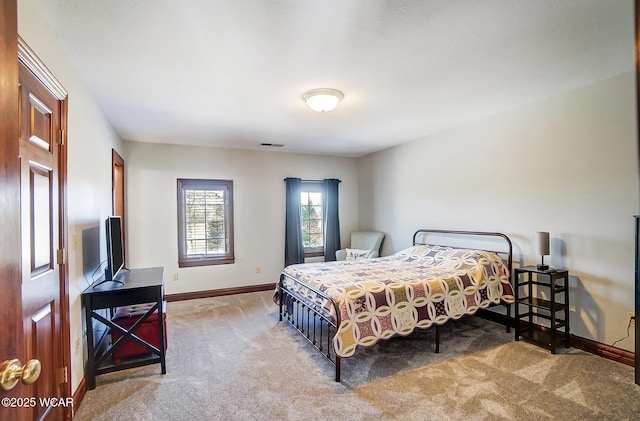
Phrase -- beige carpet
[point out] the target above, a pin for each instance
(230, 359)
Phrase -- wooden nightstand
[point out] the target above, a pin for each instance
(554, 283)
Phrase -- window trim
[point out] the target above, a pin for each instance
(314, 187)
(205, 184)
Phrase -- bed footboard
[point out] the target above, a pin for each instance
(309, 319)
(313, 323)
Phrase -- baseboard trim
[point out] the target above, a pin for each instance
(597, 348)
(605, 351)
(78, 395)
(219, 292)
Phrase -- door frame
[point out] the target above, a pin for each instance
(31, 61)
(118, 195)
(637, 280)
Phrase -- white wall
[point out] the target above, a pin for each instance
(567, 165)
(90, 140)
(259, 197)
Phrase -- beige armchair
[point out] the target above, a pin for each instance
(367, 244)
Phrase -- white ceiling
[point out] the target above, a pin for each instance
(232, 73)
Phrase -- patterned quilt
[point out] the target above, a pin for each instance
(414, 288)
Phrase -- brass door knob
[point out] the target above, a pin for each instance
(12, 371)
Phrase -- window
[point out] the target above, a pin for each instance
(205, 222)
(311, 219)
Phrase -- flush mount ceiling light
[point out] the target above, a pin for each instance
(322, 100)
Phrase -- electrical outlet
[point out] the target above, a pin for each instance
(77, 345)
(258, 269)
(631, 319)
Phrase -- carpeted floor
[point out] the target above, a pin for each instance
(230, 359)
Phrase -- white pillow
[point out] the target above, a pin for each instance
(354, 254)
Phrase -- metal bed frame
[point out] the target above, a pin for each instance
(319, 328)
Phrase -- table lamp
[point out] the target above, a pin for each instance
(543, 248)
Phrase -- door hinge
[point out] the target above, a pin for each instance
(61, 256)
(61, 137)
(63, 375)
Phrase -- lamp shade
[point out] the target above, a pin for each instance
(543, 243)
(322, 100)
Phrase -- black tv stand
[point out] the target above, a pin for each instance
(140, 286)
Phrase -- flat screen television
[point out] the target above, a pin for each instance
(115, 249)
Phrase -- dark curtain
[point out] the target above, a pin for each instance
(331, 218)
(293, 247)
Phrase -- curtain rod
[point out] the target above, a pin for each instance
(313, 181)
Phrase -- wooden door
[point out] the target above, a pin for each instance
(40, 120)
(34, 322)
(11, 344)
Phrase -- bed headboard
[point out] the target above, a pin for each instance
(494, 242)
